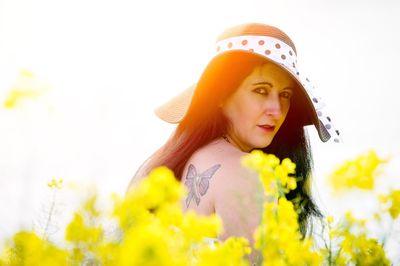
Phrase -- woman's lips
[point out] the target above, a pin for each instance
(267, 128)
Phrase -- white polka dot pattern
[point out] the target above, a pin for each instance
(272, 48)
(282, 54)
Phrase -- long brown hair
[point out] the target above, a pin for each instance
(204, 122)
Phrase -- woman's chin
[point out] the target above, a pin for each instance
(262, 144)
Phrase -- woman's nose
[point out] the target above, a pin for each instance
(273, 106)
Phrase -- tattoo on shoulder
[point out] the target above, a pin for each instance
(198, 183)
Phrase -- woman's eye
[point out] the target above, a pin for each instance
(286, 94)
(261, 90)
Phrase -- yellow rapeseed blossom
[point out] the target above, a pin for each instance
(27, 86)
(150, 244)
(258, 160)
(230, 252)
(393, 200)
(55, 183)
(158, 188)
(355, 248)
(195, 227)
(78, 231)
(361, 250)
(330, 219)
(277, 179)
(279, 239)
(357, 173)
(89, 206)
(152, 211)
(129, 211)
(141, 203)
(394, 210)
(27, 249)
(148, 227)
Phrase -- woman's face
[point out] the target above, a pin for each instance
(257, 109)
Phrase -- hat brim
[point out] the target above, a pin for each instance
(175, 109)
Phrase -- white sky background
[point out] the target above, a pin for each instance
(110, 63)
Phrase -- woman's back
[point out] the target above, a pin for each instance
(218, 183)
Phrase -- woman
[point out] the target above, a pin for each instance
(250, 96)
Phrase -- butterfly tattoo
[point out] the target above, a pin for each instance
(198, 183)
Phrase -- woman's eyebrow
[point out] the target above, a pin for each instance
(262, 83)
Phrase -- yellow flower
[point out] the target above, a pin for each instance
(151, 195)
(360, 250)
(275, 177)
(358, 173)
(292, 183)
(195, 227)
(55, 183)
(27, 248)
(149, 228)
(27, 86)
(329, 219)
(257, 160)
(395, 208)
(170, 215)
(78, 231)
(394, 201)
(89, 206)
(159, 187)
(278, 237)
(354, 247)
(231, 252)
(129, 211)
(148, 245)
(289, 166)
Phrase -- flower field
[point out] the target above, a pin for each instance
(148, 227)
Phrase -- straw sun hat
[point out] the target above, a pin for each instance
(275, 46)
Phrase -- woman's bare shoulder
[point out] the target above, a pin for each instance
(218, 152)
(208, 169)
(217, 167)
(230, 190)
(231, 174)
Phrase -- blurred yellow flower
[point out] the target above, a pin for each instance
(154, 207)
(360, 172)
(354, 247)
(55, 183)
(393, 200)
(230, 252)
(147, 227)
(89, 206)
(80, 232)
(206, 226)
(27, 86)
(279, 240)
(149, 244)
(329, 219)
(258, 160)
(277, 178)
(26, 248)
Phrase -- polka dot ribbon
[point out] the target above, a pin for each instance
(282, 54)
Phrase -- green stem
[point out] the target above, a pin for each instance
(44, 236)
